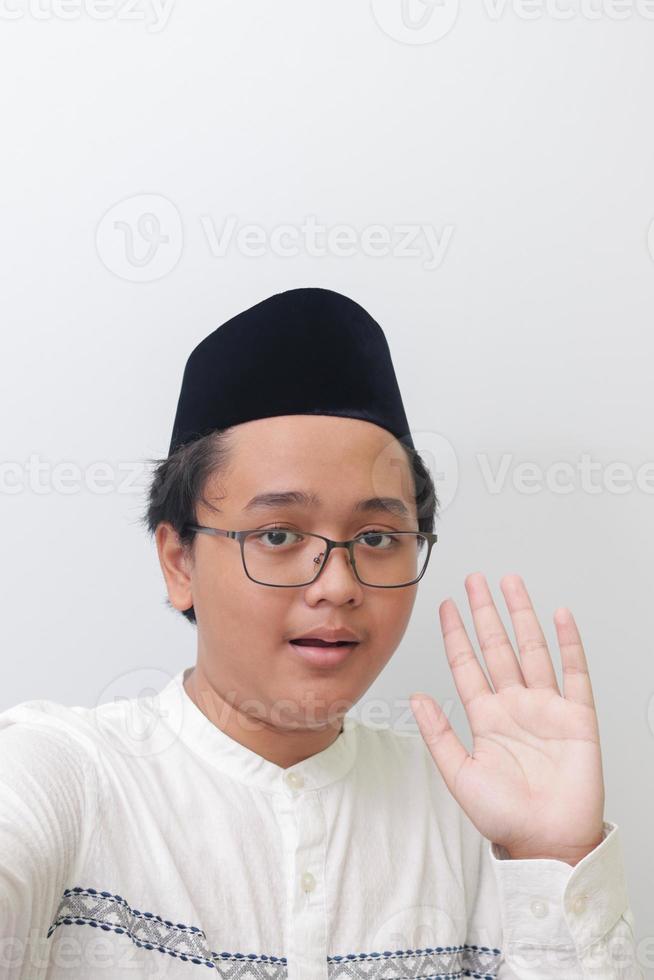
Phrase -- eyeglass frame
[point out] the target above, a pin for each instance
(240, 536)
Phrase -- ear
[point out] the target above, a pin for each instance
(175, 564)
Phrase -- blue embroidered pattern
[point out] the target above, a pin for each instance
(438, 963)
(87, 906)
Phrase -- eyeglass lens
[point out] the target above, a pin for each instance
(280, 556)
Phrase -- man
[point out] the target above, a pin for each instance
(244, 821)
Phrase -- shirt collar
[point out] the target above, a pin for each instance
(198, 733)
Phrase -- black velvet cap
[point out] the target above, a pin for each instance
(305, 351)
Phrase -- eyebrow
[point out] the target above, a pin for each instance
(299, 498)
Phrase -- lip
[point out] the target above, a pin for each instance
(328, 635)
(323, 656)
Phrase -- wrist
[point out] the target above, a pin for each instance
(571, 856)
(547, 856)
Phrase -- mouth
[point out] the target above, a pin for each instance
(323, 654)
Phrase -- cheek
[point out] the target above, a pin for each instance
(220, 591)
(239, 608)
(392, 613)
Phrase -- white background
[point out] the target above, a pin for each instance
(527, 142)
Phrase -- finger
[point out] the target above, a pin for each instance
(445, 747)
(503, 665)
(576, 678)
(469, 678)
(537, 667)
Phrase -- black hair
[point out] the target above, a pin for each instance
(179, 482)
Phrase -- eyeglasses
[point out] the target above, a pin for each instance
(383, 559)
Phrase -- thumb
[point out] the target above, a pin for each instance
(445, 747)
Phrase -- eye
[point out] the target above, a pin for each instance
(371, 538)
(280, 536)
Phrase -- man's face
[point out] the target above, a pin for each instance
(244, 628)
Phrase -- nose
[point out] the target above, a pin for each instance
(320, 560)
(339, 576)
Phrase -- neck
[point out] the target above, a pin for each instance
(283, 747)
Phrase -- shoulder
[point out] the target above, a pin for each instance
(46, 743)
(69, 743)
(89, 743)
(88, 729)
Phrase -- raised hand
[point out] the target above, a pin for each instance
(533, 782)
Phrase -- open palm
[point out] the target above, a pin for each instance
(533, 782)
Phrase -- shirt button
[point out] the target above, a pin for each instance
(308, 881)
(294, 780)
(539, 909)
(579, 903)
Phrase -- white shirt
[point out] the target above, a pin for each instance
(137, 839)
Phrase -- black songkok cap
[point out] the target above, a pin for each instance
(305, 351)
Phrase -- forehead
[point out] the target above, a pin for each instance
(336, 461)
(292, 430)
